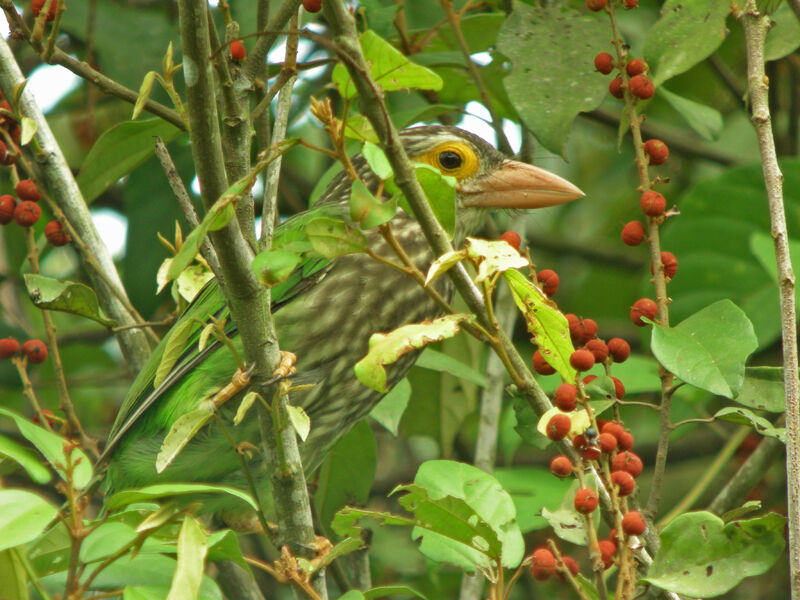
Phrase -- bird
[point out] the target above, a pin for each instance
(325, 314)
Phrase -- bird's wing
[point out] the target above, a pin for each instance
(210, 302)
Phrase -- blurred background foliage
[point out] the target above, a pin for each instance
(714, 181)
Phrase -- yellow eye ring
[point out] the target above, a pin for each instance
(452, 158)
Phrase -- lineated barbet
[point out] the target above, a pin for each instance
(324, 313)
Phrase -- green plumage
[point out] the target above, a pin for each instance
(324, 313)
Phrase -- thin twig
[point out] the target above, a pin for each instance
(755, 28)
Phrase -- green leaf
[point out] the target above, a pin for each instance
(464, 516)
(174, 348)
(762, 389)
(144, 94)
(377, 160)
(532, 489)
(444, 363)
(219, 215)
(388, 67)
(740, 511)
(441, 194)
(708, 350)
(387, 348)
(347, 473)
(567, 523)
(333, 237)
(105, 540)
(192, 550)
(65, 296)
(548, 326)
(352, 595)
(224, 545)
(735, 414)
(383, 591)
(244, 406)
(161, 490)
(52, 447)
(705, 120)
(119, 151)
(783, 36)
(275, 266)
(26, 458)
(183, 429)
(23, 516)
(13, 576)
(763, 247)
(347, 520)
(389, 411)
(687, 32)
(527, 422)
(366, 209)
(702, 557)
(553, 48)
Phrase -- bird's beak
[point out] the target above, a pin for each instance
(518, 185)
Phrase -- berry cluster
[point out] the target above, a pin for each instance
(27, 212)
(547, 278)
(34, 350)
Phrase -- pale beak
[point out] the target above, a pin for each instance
(518, 185)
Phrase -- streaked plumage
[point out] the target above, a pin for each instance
(324, 314)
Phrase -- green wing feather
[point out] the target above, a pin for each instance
(211, 302)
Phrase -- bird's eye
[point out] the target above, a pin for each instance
(449, 160)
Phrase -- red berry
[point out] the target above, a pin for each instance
(619, 349)
(48, 415)
(580, 442)
(616, 87)
(540, 365)
(558, 427)
(629, 4)
(548, 279)
(670, 262)
(625, 483)
(581, 330)
(613, 428)
(585, 500)
(636, 66)
(238, 51)
(591, 453)
(512, 239)
(643, 307)
(607, 551)
(628, 461)
(632, 233)
(633, 523)
(27, 213)
(8, 347)
(625, 440)
(561, 466)
(657, 150)
(598, 348)
(565, 397)
(312, 6)
(55, 234)
(589, 329)
(619, 389)
(35, 350)
(595, 4)
(543, 564)
(582, 360)
(571, 565)
(604, 63)
(607, 443)
(37, 5)
(7, 205)
(652, 203)
(27, 190)
(641, 87)
(589, 379)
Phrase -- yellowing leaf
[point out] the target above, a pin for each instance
(182, 431)
(548, 326)
(444, 263)
(493, 257)
(387, 348)
(580, 421)
(299, 420)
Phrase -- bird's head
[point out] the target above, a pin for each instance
(486, 179)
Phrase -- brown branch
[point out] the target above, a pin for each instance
(755, 28)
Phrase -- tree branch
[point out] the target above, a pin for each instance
(65, 192)
(755, 31)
